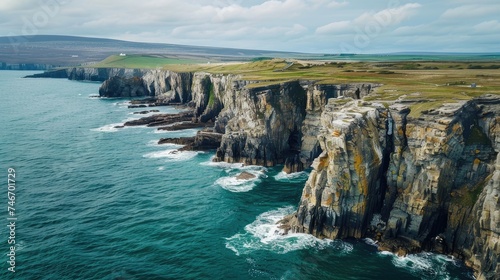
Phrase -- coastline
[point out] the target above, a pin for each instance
(279, 123)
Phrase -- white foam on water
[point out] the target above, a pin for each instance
(172, 154)
(424, 265)
(154, 143)
(161, 168)
(159, 154)
(370, 242)
(131, 119)
(386, 253)
(235, 185)
(232, 184)
(182, 155)
(285, 177)
(119, 104)
(265, 234)
(108, 128)
(222, 164)
(233, 166)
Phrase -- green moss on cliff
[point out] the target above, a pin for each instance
(211, 95)
(477, 137)
(468, 197)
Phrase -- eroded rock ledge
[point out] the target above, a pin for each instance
(427, 183)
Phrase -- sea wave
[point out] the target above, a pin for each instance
(222, 164)
(285, 177)
(264, 234)
(154, 143)
(108, 128)
(228, 167)
(231, 183)
(425, 265)
(172, 154)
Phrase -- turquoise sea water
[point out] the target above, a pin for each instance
(95, 202)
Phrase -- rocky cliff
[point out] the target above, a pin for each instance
(264, 125)
(430, 182)
(88, 73)
(427, 183)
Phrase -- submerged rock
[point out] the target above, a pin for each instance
(245, 176)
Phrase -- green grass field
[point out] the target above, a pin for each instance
(142, 61)
(435, 82)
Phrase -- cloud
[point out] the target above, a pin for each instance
(292, 25)
(367, 21)
(337, 4)
(488, 27)
(470, 11)
(335, 27)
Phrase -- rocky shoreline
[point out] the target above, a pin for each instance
(429, 183)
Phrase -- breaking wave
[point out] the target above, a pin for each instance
(264, 234)
(108, 128)
(285, 177)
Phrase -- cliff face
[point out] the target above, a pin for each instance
(263, 125)
(429, 183)
(260, 125)
(89, 73)
(426, 183)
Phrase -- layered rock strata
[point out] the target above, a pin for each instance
(427, 183)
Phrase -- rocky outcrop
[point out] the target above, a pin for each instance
(123, 87)
(203, 141)
(266, 125)
(89, 73)
(263, 124)
(162, 119)
(413, 184)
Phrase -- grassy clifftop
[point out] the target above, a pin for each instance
(142, 61)
(431, 83)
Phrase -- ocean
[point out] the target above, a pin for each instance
(97, 202)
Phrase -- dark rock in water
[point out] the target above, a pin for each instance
(136, 106)
(293, 164)
(119, 126)
(161, 119)
(143, 101)
(179, 141)
(146, 112)
(204, 140)
(123, 87)
(185, 125)
(245, 176)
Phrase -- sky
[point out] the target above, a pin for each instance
(312, 26)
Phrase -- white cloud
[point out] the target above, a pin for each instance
(372, 22)
(293, 25)
(470, 11)
(488, 27)
(389, 16)
(337, 4)
(335, 27)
